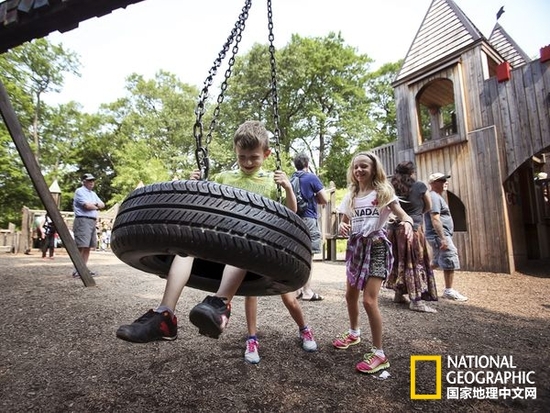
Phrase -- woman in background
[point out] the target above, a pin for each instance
(411, 273)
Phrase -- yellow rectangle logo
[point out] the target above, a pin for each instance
(437, 394)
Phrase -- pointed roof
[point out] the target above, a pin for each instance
(444, 31)
(54, 187)
(507, 48)
(447, 31)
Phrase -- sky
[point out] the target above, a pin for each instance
(185, 37)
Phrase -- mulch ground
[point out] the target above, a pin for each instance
(59, 352)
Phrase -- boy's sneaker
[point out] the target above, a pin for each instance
(151, 326)
(308, 342)
(211, 316)
(372, 363)
(346, 340)
(251, 354)
(453, 294)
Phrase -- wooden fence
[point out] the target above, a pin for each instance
(9, 239)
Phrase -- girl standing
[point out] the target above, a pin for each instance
(366, 208)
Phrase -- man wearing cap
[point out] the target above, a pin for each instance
(439, 233)
(85, 205)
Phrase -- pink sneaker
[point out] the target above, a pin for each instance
(346, 340)
(251, 354)
(372, 363)
(308, 342)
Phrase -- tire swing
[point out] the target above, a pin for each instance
(217, 224)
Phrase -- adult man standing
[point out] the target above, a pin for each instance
(313, 191)
(439, 234)
(86, 203)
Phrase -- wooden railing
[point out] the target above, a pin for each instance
(9, 239)
(329, 225)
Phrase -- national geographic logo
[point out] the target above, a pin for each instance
(470, 377)
(426, 359)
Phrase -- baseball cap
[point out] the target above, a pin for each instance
(436, 176)
(88, 177)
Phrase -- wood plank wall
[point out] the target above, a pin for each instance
(506, 124)
(520, 109)
(476, 181)
(386, 153)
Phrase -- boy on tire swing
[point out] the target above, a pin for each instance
(251, 144)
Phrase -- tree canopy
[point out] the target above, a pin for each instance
(329, 104)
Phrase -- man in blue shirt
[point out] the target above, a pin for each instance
(86, 205)
(313, 191)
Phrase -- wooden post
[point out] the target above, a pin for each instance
(16, 132)
(330, 228)
(26, 236)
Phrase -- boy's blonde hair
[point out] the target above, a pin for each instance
(384, 190)
(251, 135)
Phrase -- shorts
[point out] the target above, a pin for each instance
(360, 266)
(85, 233)
(377, 265)
(444, 259)
(313, 226)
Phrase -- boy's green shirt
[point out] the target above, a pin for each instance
(261, 182)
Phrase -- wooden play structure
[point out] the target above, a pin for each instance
(478, 109)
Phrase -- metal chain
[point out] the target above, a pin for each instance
(274, 97)
(201, 152)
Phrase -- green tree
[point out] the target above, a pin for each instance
(323, 94)
(382, 109)
(16, 188)
(321, 90)
(27, 72)
(151, 132)
(38, 67)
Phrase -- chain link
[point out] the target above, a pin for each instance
(274, 97)
(201, 152)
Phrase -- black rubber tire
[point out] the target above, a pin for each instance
(217, 224)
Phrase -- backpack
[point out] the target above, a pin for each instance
(49, 227)
(301, 202)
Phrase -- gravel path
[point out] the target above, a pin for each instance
(60, 354)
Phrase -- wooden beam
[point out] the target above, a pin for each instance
(18, 26)
(16, 132)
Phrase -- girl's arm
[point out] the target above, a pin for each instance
(406, 220)
(344, 226)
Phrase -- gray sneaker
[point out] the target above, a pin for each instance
(422, 307)
(251, 354)
(452, 294)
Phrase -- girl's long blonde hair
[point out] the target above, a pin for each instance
(384, 190)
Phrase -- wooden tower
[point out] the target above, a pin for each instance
(478, 109)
